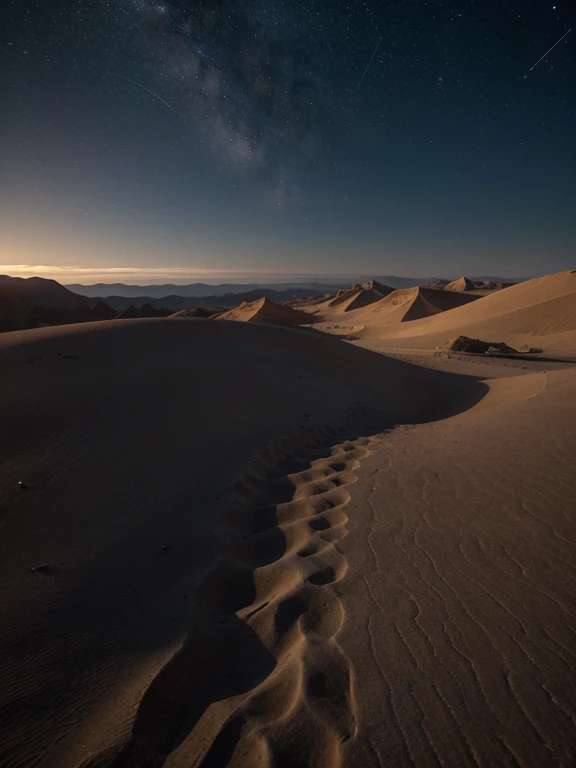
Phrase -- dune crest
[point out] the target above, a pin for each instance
(409, 304)
(461, 284)
(266, 311)
(348, 299)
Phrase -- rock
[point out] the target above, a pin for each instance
(476, 346)
(500, 349)
(527, 350)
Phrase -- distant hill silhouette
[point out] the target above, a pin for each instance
(38, 291)
(228, 301)
(144, 311)
(34, 301)
(201, 290)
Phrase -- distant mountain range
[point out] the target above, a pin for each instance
(226, 301)
(198, 290)
(294, 289)
(30, 302)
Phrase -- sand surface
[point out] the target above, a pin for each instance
(269, 547)
(128, 435)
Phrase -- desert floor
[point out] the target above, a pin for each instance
(238, 544)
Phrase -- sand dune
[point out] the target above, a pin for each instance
(127, 434)
(399, 307)
(246, 545)
(375, 648)
(413, 304)
(540, 312)
(347, 299)
(462, 284)
(266, 311)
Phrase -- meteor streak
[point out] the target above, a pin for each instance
(370, 62)
(547, 52)
(150, 92)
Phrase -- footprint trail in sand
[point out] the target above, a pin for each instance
(261, 679)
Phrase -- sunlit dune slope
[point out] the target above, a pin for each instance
(407, 304)
(539, 308)
(266, 311)
(462, 284)
(460, 606)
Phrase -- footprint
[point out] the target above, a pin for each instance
(288, 613)
(325, 576)
(320, 524)
(317, 487)
(310, 549)
(319, 685)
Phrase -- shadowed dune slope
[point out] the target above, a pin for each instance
(265, 311)
(126, 435)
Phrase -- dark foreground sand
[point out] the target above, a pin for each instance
(374, 594)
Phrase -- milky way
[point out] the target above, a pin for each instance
(288, 131)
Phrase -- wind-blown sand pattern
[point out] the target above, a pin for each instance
(464, 613)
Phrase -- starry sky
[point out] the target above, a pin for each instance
(148, 139)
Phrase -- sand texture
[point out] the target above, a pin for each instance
(246, 545)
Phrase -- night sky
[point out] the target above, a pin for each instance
(412, 138)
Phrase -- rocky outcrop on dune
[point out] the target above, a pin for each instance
(462, 284)
(477, 346)
(265, 311)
